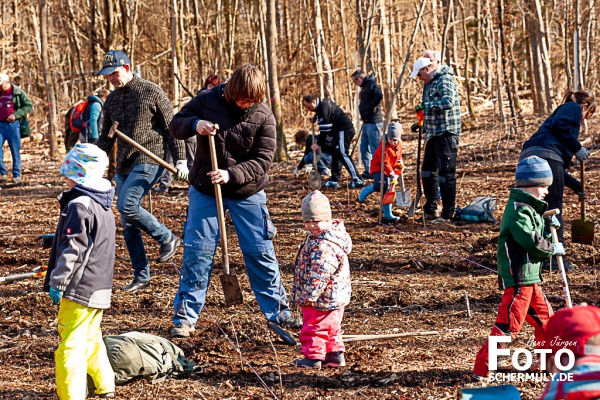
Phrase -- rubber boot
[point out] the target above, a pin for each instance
(367, 190)
(387, 213)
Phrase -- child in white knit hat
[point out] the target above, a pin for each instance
(322, 284)
(80, 273)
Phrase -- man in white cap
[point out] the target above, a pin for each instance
(14, 107)
(144, 113)
(441, 108)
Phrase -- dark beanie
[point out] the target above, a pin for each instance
(533, 171)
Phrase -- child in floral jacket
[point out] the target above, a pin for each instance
(322, 284)
(392, 167)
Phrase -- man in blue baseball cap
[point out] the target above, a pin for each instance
(144, 113)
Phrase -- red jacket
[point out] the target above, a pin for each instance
(393, 160)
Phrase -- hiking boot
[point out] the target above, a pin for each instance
(136, 284)
(161, 189)
(326, 172)
(3, 178)
(307, 363)
(291, 323)
(182, 330)
(106, 395)
(356, 183)
(334, 360)
(427, 217)
(366, 175)
(168, 249)
(331, 185)
(16, 180)
(483, 380)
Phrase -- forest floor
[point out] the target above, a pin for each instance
(408, 277)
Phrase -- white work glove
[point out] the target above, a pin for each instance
(582, 154)
(308, 168)
(182, 170)
(558, 249)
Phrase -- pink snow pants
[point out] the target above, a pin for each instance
(321, 332)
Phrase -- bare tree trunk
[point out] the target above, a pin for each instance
(281, 150)
(47, 79)
(447, 19)
(322, 52)
(466, 62)
(386, 80)
(174, 56)
(504, 57)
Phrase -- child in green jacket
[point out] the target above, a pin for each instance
(522, 247)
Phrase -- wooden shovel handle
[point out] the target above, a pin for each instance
(582, 201)
(219, 201)
(114, 131)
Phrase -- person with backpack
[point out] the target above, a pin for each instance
(84, 120)
(557, 141)
(80, 273)
(144, 113)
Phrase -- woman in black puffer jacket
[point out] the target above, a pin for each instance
(245, 145)
(556, 141)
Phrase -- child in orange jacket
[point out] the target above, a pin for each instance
(393, 166)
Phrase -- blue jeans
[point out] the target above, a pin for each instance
(369, 141)
(10, 132)
(323, 164)
(255, 232)
(131, 189)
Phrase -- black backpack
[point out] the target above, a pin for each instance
(479, 210)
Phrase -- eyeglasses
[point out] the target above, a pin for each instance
(244, 103)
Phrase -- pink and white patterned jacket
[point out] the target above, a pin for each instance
(322, 274)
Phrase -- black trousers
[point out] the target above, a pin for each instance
(341, 156)
(439, 168)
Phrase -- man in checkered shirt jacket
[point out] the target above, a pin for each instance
(441, 107)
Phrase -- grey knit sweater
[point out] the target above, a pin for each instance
(144, 114)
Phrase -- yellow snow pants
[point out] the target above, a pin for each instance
(81, 352)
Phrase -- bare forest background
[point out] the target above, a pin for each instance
(512, 59)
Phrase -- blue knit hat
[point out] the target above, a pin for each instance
(533, 171)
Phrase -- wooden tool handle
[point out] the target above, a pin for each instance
(219, 200)
(122, 136)
(552, 212)
(561, 269)
(582, 201)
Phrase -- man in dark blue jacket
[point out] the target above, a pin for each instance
(370, 114)
(334, 122)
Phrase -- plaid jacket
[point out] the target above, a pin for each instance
(442, 105)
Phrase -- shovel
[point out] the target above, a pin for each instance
(582, 231)
(403, 197)
(411, 210)
(314, 178)
(229, 282)
(390, 196)
(559, 259)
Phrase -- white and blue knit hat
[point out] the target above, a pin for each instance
(533, 171)
(85, 164)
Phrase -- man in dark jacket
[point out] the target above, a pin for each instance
(144, 113)
(334, 122)
(244, 149)
(370, 114)
(14, 107)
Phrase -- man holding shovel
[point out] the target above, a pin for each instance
(441, 108)
(143, 112)
(235, 118)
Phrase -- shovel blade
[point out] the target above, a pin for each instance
(231, 289)
(403, 198)
(314, 180)
(582, 232)
(389, 198)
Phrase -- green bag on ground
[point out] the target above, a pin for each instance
(136, 355)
